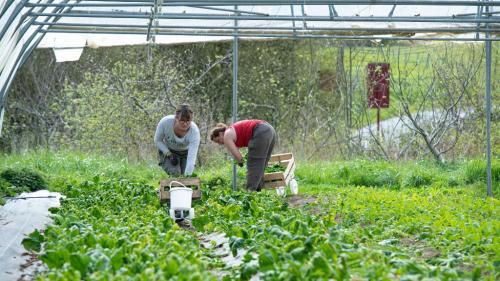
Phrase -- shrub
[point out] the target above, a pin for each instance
(5, 188)
(416, 179)
(453, 181)
(359, 177)
(9, 190)
(24, 178)
(387, 178)
(372, 175)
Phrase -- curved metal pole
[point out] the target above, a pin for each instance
(23, 54)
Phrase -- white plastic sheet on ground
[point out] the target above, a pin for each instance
(219, 243)
(18, 218)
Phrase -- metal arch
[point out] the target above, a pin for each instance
(22, 30)
(23, 54)
(11, 18)
(5, 8)
(20, 58)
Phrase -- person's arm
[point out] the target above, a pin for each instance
(192, 152)
(159, 137)
(229, 138)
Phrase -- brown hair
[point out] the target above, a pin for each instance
(219, 128)
(184, 112)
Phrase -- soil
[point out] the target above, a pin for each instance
(30, 267)
(407, 242)
(308, 203)
(186, 224)
(430, 253)
(300, 200)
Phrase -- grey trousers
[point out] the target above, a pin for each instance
(260, 148)
(168, 167)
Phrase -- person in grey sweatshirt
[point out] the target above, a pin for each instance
(177, 138)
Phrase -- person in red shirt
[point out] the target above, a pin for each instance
(259, 136)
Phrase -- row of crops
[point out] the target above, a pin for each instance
(112, 227)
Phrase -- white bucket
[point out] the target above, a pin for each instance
(180, 198)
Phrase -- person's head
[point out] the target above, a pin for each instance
(183, 116)
(217, 133)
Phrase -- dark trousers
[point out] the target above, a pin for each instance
(167, 165)
(260, 148)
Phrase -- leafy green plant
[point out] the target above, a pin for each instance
(416, 179)
(33, 242)
(114, 228)
(215, 182)
(6, 188)
(24, 178)
(275, 168)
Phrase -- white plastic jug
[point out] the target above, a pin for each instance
(180, 198)
(281, 191)
(180, 202)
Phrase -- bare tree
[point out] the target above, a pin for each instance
(433, 106)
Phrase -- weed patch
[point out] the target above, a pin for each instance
(475, 171)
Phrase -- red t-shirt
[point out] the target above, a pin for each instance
(244, 131)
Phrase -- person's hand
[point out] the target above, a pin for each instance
(240, 163)
(161, 157)
(174, 160)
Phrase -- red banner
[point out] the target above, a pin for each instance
(378, 85)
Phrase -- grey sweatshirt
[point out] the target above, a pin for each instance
(165, 139)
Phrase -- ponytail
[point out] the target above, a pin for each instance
(219, 128)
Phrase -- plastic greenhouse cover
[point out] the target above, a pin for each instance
(63, 40)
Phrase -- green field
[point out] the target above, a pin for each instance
(352, 220)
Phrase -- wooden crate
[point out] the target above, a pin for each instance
(277, 179)
(164, 194)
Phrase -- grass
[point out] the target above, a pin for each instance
(66, 167)
(368, 220)
(397, 175)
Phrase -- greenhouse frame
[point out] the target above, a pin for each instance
(68, 26)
